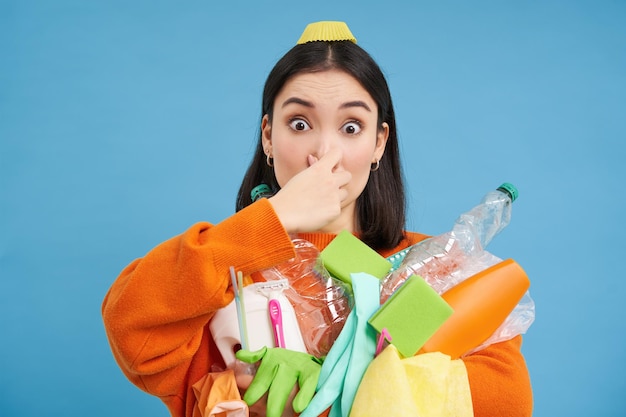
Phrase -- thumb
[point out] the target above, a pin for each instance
(251, 357)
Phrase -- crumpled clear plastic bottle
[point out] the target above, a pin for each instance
(321, 302)
(447, 259)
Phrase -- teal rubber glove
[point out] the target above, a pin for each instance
(278, 373)
(350, 355)
(364, 344)
(330, 384)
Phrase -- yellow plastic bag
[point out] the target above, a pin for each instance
(426, 385)
(217, 396)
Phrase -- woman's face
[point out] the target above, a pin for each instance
(315, 112)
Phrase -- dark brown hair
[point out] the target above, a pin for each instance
(381, 205)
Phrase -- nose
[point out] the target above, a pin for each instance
(332, 148)
(325, 142)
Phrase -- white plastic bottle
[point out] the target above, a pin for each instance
(447, 259)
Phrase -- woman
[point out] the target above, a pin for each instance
(328, 148)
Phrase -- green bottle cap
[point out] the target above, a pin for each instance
(260, 191)
(510, 190)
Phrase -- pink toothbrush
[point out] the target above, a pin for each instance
(276, 318)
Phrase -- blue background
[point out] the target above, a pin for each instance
(123, 123)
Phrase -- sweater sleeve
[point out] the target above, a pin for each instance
(499, 380)
(155, 312)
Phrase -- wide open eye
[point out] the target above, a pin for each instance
(352, 128)
(299, 124)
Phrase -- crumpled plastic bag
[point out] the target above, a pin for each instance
(425, 385)
(217, 395)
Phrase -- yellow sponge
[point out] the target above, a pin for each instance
(346, 255)
(411, 315)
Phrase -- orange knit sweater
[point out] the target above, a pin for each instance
(156, 313)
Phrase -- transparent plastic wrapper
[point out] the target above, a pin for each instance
(441, 261)
(450, 258)
(516, 323)
(321, 302)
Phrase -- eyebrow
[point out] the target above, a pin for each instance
(296, 100)
(356, 103)
(346, 105)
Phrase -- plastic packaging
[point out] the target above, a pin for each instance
(448, 259)
(321, 302)
(480, 303)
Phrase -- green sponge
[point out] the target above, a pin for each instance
(411, 315)
(346, 254)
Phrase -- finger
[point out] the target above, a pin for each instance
(261, 382)
(331, 158)
(307, 385)
(251, 357)
(284, 381)
(343, 177)
(332, 387)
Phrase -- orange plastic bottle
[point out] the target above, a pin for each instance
(481, 303)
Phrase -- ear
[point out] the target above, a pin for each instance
(266, 133)
(381, 141)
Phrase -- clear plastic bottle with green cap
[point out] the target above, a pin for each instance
(447, 259)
